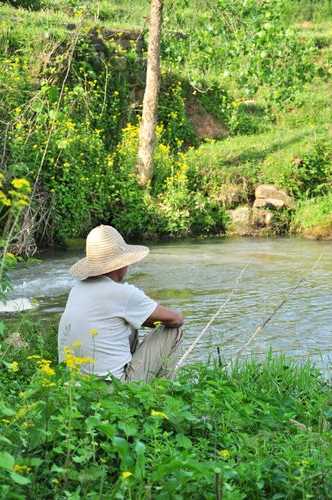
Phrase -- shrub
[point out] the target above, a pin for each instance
(305, 175)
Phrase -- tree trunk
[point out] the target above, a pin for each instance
(150, 101)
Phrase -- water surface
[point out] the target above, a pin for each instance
(196, 277)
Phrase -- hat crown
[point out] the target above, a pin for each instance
(104, 242)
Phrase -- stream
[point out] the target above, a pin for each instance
(197, 276)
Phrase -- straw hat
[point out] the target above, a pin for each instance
(106, 251)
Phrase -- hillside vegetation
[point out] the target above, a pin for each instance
(245, 100)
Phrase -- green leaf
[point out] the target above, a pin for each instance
(19, 479)
(7, 461)
(2, 328)
(3, 439)
(183, 441)
(4, 410)
(140, 459)
(129, 429)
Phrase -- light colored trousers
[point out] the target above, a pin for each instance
(155, 356)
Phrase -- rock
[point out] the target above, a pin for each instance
(268, 195)
(240, 221)
(246, 221)
(261, 218)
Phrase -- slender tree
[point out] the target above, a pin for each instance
(150, 100)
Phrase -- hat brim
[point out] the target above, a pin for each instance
(86, 268)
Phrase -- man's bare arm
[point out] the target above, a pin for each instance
(165, 316)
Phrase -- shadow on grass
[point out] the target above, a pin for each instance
(252, 154)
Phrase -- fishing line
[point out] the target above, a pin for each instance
(261, 327)
(193, 345)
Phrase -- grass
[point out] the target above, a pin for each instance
(314, 217)
(262, 430)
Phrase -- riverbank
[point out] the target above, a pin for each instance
(261, 430)
(245, 101)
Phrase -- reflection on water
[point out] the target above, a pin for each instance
(197, 277)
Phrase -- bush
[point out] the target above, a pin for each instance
(306, 175)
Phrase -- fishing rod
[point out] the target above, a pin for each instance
(223, 305)
(261, 326)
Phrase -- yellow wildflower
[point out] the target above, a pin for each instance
(13, 367)
(47, 370)
(44, 367)
(225, 454)
(73, 362)
(93, 332)
(126, 474)
(21, 469)
(27, 425)
(24, 410)
(21, 184)
(4, 200)
(47, 383)
(76, 344)
(160, 414)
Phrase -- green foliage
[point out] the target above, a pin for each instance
(314, 216)
(261, 430)
(314, 172)
(306, 174)
(69, 97)
(177, 129)
(249, 43)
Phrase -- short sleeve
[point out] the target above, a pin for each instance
(139, 307)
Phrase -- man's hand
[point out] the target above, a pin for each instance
(165, 316)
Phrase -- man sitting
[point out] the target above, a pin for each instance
(102, 315)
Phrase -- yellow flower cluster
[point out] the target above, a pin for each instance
(23, 184)
(93, 332)
(77, 344)
(44, 367)
(225, 454)
(13, 367)
(4, 200)
(160, 414)
(21, 469)
(25, 410)
(125, 474)
(74, 362)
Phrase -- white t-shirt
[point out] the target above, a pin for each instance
(99, 317)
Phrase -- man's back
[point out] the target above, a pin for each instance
(99, 317)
